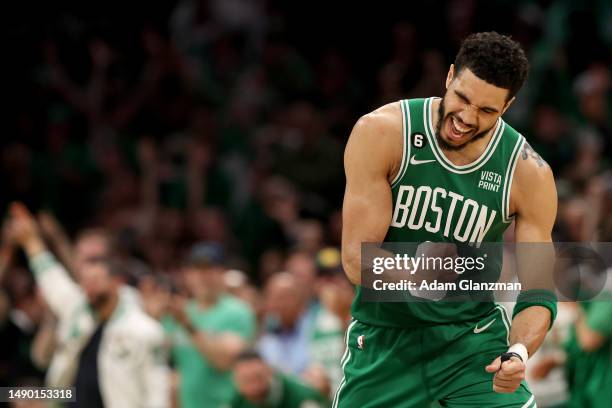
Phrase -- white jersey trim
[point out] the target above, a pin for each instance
(447, 164)
(406, 128)
(345, 358)
(506, 217)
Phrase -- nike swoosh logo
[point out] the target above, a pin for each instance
(483, 328)
(414, 161)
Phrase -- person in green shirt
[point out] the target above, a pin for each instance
(207, 332)
(589, 355)
(257, 385)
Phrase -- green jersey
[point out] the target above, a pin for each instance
(589, 374)
(438, 201)
(202, 385)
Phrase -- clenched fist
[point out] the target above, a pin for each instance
(23, 230)
(508, 375)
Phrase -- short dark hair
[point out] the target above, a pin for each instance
(494, 58)
(205, 255)
(248, 354)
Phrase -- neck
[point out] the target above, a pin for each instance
(468, 153)
(106, 310)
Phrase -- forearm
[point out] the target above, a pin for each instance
(207, 347)
(529, 327)
(357, 267)
(212, 348)
(61, 293)
(34, 247)
(410, 266)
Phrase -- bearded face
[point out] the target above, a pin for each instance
(469, 110)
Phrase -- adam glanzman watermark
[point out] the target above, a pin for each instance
(423, 264)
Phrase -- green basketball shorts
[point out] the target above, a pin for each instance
(444, 364)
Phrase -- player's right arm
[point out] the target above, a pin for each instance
(371, 160)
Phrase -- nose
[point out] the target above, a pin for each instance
(469, 115)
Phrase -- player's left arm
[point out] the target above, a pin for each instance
(534, 205)
(534, 199)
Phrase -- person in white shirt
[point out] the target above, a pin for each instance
(107, 346)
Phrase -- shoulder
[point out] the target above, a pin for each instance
(531, 169)
(234, 306)
(533, 187)
(384, 119)
(376, 141)
(380, 127)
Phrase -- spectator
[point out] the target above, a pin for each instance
(336, 291)
(302, 266)
(284, 343)
(307, 156)
(259, 385)
(107, 347)
(92, 243)
(224, 121)
(237, 284)
(207, 331)
(316, 279)
(545, 372)
(18, 330)
(296, 338)
(589, 352)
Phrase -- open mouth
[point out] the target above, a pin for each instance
(456, 130)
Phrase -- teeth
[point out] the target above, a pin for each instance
(460, 128)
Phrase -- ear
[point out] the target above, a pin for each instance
(450, 75)
(508, 104)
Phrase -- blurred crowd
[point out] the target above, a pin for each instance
(199, 145)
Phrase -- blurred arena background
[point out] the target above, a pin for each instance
(215, 130)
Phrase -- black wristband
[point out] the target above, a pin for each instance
(508, 355)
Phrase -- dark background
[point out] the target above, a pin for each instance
(176, 122)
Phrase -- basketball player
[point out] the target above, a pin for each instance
(415, 172)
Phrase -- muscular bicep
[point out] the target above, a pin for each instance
(535, 199)
(535, 202)
(366, 215)
(367, 207)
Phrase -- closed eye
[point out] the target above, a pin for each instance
(485, 109)
(462, 97)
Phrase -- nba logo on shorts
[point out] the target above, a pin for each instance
(360, 342)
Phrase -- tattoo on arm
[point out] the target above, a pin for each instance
(529, 152)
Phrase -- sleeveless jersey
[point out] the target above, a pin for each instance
(436, 200)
